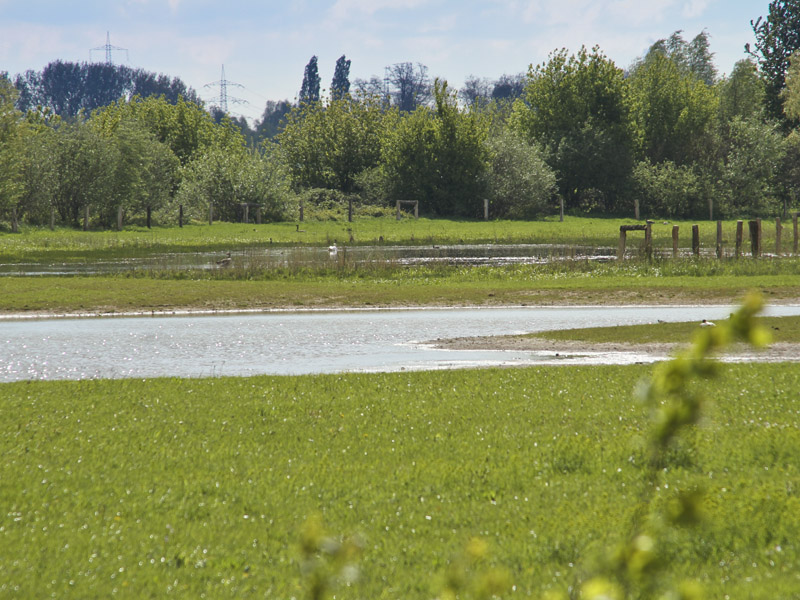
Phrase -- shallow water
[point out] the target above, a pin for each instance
(291, 343)
(300, 256)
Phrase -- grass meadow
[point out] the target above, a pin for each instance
(194, 488)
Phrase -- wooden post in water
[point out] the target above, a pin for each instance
(739, 236)
(119, 218)
(754, 241)
(180, 215)
(778, 231)
(675, 230)
(621, 246)
(696, 240)
(760, 238)
(86, 218)
(794, 225)
(719, 239)
(648, 240)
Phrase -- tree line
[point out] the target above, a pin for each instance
(667, 132)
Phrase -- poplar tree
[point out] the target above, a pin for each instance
(340, 85)
(309, 92)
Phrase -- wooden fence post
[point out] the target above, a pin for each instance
(648, 240)
(778, 231)
(210, 213)
(696, 240)
(53, 221)
(398, 210)
(754, 241)
(180, 215)
(14, 220)
(149, 214)
(739, 236)
(349, 210)
(119, 218)
(636, 208)
(416, 210)
(621, 246)
(794, 225)
(86, 218)
(675, 230)
(719, 239)
(485, 209)
(710, 208)
(245, 212)
(258, 215)
(301, 211)
(760, 237)
(561, 209)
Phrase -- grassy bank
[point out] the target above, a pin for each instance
(41, 244)
(782, 330)
(199, 488)
(574, 282)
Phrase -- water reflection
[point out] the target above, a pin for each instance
(301, 343)
(303, 256)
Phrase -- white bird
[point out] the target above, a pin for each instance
(332, 250)
(707, 324)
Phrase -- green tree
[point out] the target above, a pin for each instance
(83, 161)
(741, 94)
(439, 157)
(11, 151)
(667, 190)
(226, 180)
(747, 182)
(672, 113)
(575, 106)
(520, 184)
(184, 127)
(791, 93)
(327, 146)
(340, 85)
(145, 171)
(777, 38)
(309, 90)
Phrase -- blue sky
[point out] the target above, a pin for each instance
(265, 46)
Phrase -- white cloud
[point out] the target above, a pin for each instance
(695, 8)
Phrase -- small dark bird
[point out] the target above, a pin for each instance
(224, 262)
(300, 230)
(707, 324)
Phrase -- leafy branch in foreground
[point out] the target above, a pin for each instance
(632, 569)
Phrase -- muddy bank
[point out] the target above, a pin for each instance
(523, 343)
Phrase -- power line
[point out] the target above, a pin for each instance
(108, 48)
(223, 92)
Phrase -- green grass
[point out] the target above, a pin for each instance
(41, 244)
(782, 329)
(199, 488)
(573, 282)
